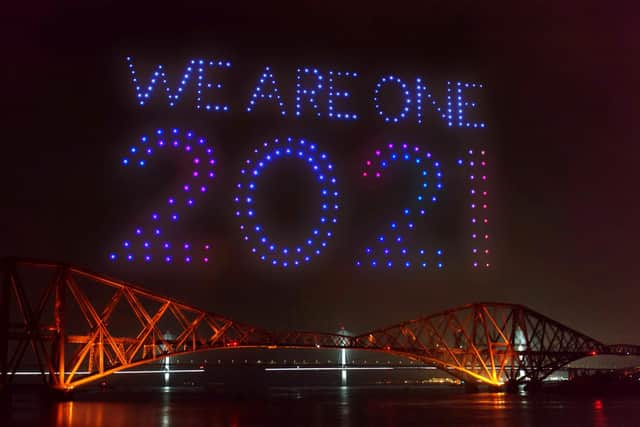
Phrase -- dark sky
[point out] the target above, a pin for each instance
(560, 105)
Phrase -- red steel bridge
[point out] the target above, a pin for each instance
(81, 327)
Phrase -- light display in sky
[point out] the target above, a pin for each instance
(336, 93)
(394, 247)
(149, 240)
(387, 83)
(316, 93)
(254, 232)
(312, 93)
(479, 205)
(266, 90)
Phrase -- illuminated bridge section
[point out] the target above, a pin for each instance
(79, 327)
(487, 342)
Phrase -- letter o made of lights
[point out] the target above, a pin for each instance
(253, 232)
(406, 96)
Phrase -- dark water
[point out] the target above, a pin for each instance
(332, 406)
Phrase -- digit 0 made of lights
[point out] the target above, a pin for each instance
(254, 232)
(391, 248)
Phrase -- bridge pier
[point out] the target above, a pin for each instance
(510, 386)
(21, 393)
(471, 387)
(59, 395)
(496, 388)
(533, 386)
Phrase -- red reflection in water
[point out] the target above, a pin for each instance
(599, 419)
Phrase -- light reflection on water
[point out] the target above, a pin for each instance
(337, 406)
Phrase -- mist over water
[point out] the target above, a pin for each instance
(369, 406)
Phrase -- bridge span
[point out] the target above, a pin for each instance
(81, 327)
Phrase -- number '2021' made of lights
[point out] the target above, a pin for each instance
(390, 248)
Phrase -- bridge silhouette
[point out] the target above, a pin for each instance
(82, 327)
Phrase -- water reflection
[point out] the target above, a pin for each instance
(336, 406)
(82, 414)
(498, 400)
(599, 419)
(65, 414)
(165, 414)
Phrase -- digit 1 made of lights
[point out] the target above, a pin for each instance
(478, 200)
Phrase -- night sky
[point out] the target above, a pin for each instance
(561, 87)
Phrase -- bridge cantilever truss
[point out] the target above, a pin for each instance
(489, 342)
(82, 327)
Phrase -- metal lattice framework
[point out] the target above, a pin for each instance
(489, 342)
(82, 327)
